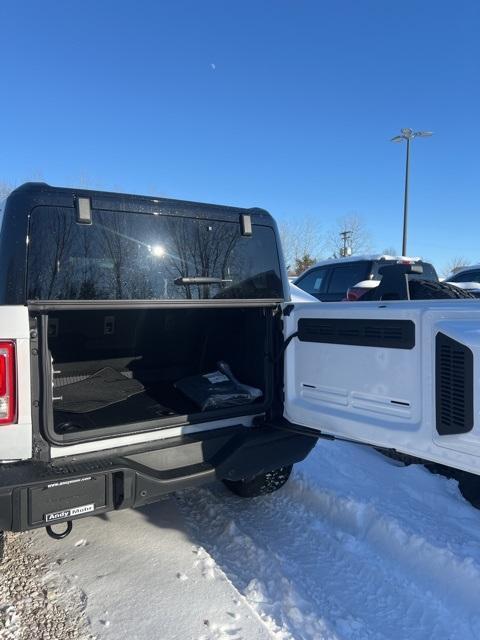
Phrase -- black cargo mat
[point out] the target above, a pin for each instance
(105, 387)
(140, 407)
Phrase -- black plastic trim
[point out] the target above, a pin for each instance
(132, 481)
(392, 334)
(454, 382)
(41, 306)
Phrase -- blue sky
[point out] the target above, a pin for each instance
(288, 105)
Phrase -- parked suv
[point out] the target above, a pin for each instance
(148, 345)
(351, 278)
(467, 278)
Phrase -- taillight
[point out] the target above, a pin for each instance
(8, 402)
(355, 293)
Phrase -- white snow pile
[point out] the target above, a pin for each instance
(354, 547)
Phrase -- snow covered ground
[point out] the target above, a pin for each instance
(355, 547)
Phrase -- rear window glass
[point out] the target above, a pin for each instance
(347, 276)
(134, 256)
(466, 276)
(429, 272)
(313, 282)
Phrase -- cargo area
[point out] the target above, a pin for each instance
(146, 367)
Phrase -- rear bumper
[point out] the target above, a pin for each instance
(34, 494)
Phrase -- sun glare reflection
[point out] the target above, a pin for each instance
(157, 250)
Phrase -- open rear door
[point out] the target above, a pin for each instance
(397, 375)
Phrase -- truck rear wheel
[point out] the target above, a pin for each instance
(428, 290)
(260, 485)
(469, 485)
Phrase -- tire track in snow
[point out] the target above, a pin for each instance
(454, 580)
(317, 565)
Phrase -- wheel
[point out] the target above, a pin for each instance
(260, 485)
(469, 486)
(428, 290)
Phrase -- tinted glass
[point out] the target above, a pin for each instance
(314, 281)
(129, 256)
(429, 272)
(466, 276)
(346, 276)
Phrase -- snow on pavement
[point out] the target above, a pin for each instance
(354, 547)
(142, 578)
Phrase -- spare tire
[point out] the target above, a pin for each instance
(428, 290)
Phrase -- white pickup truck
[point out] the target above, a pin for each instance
(149, 344)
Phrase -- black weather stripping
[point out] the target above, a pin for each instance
(453, 386)
(390, 334)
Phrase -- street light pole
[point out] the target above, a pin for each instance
(408, 135)
(405, 201)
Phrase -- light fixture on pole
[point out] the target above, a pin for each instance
(408, 135)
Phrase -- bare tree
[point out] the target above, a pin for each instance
(390, 251)
(50, 273)
(454, 264)
(302, 240)
(359, 237)
(5, 189)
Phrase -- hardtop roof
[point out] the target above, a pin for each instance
(14, 225)
(41, 193)
(364, 258)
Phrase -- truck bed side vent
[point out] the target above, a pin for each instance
(393, 334)
(453, 386)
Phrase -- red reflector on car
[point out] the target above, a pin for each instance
(355, 293)
(8, 402)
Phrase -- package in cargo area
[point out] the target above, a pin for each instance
(217, 389)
